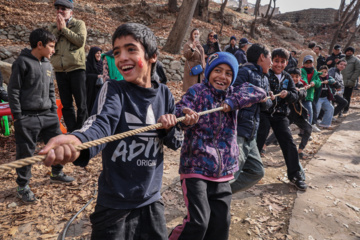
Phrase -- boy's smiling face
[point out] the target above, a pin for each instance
(221, 76)
(324, 72)
(295, 77)
(130, 59)
(278, 64)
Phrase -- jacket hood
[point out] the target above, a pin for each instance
(26, 52)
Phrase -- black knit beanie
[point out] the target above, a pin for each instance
(350, 49)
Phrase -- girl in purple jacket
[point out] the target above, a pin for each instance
(209, 154)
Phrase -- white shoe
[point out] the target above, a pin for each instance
(315, 128)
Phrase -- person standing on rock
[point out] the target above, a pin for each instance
(212, 44)
(69, 63)
(350, 75)
(194, 54)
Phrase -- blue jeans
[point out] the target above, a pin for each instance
(250, 165)
(308, 106)
(325, 105)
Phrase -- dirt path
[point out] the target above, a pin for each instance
(263, 212)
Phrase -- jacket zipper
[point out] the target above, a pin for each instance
(217, 150)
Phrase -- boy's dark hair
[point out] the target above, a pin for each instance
(293, 51)
(312, 44)
(41, 35)
(142, 34)
(323, 67)
(318, 46)
(254, 51)
(281, 53)
(294, 71)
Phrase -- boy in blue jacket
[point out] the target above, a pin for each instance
(128, 203)
(209, 154)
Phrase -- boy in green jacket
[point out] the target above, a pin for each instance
(311, 77)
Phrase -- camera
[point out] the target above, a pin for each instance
(215, 36)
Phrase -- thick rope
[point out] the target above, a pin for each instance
(38, 158)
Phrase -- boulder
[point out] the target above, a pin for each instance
(5, 69)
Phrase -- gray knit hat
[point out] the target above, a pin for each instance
(65, 3)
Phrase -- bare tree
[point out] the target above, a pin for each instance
(345, 18)
(222, 9)
(240, 5)
(172, 5)
(180, 27)
(202, 10)
(268, 9)
(272, 13)
(339, 12)
(256, 13)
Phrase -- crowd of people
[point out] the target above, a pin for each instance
(125, 89)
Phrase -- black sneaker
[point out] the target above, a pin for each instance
(26, 195)
(298, 183)
(60, 178)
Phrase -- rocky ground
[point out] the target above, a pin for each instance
(262, 212)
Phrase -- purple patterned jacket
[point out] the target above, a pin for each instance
(210, 146)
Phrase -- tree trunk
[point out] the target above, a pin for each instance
(222, 8)
(344, 18)
(202, 10)
(172, 5)
(268, 9)
(240, 5)
(180, 27)
(272, 13)
(352, 37)
(341, 9)
(253, 24)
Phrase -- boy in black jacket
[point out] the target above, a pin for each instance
(276, 117)
(128, 203)
(33, 105)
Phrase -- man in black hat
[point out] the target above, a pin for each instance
(69, 63)
(241, 53)
(350, 74)
(334, 57)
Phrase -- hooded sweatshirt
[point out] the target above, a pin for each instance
(31, 86)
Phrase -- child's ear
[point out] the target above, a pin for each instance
(39, 44)
(153, 59)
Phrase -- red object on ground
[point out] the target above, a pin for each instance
(59, 113)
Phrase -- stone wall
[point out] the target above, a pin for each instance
(20, 34)
(314, 16)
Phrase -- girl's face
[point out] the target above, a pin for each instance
(98, 56)
(195, 35)
(221, 76)
(130, 60)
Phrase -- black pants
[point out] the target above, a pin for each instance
(143, 223)
(347, 95)
(280, 126)
(340, 104)
(304, 125)
(208, 205)
(73, 84)
(27, 130)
